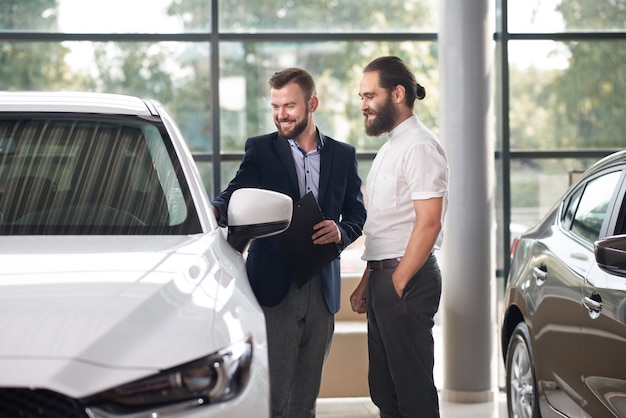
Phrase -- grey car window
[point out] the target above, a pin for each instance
(593, 206)
(570, 210)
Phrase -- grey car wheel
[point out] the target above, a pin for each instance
(521, 385)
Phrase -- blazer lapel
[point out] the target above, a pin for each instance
(284, 153)
(326, 156)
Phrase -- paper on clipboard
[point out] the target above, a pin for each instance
(304, 258)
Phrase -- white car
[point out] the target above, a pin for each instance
(119, 294)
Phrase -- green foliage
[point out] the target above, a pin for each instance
(535, 116)
(336, 66)
(325, 15)
(28, 66)
(590, 96)
(146, 70)
(583, 105)
(195, 14)
(132, 68)
(28, 15)
(178, 74)
(593, 15)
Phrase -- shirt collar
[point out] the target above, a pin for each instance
(320, 141)
(406, 124)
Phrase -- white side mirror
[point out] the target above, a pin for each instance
(257, 213)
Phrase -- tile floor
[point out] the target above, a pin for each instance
(364, 408)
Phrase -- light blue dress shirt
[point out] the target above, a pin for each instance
(307, 167)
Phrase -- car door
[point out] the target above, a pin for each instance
(604, 345)
(603, 331)
(559, 271)
(558, 317)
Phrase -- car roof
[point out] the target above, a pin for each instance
(616, 158)
(76, 102)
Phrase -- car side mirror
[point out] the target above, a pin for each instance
(610, 254)
(256, 213)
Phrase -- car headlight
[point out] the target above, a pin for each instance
(212, 379)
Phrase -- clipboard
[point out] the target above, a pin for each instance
(304, 258)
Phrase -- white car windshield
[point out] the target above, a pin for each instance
(87, 175)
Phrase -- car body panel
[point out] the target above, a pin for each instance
(553, 281)
(556, 325)
(552, 296)
(605, 382)
(81, 102)
(71, 322)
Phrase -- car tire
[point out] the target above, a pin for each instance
(521, 383)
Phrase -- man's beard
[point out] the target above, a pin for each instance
(296, 130)
(384, 121)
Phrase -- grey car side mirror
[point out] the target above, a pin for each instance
(610, 254)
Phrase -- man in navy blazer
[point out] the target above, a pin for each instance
(295, 160)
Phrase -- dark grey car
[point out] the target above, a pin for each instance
(563, 325)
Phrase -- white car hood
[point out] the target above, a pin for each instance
(115, 307)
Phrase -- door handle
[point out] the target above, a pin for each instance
(593, 306)
(540, 274)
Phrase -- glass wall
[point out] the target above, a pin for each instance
(246, 67)
(562, 94)
(560, 87)
(333, 16)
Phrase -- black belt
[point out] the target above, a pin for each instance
(389, 263)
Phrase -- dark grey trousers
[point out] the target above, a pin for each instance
(400, 343)
(299, 334)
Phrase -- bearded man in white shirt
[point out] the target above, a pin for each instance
(407, 194)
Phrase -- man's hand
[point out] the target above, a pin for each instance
(326, 232)
(358, 299)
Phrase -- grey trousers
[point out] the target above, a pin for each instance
(299, 334)
(400, 343)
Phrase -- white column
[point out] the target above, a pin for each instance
(468, 305)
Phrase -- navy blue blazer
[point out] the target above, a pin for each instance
(268, 164)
